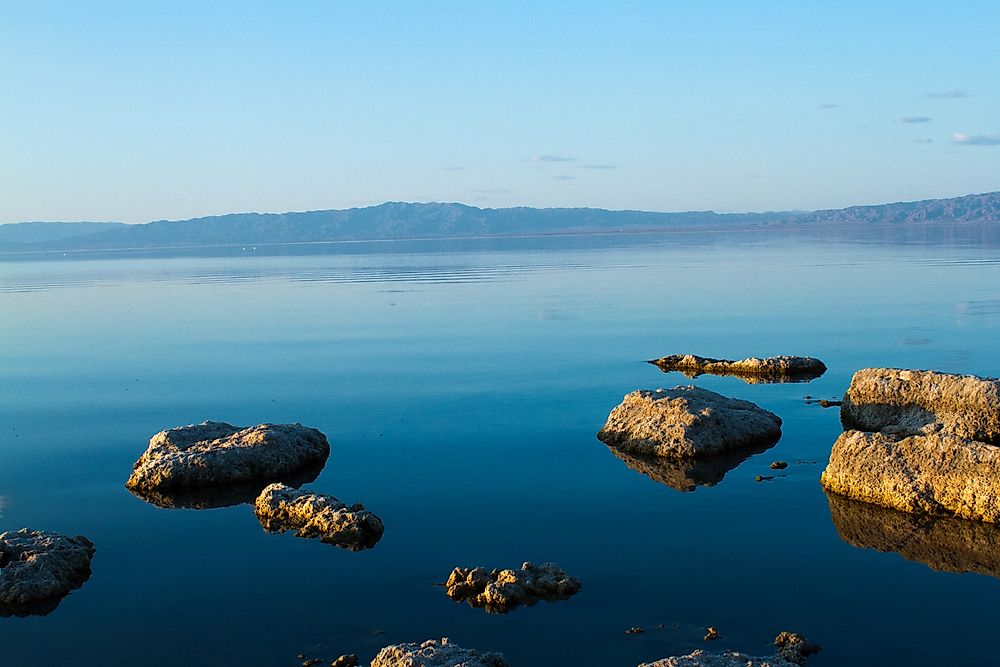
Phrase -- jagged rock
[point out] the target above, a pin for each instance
(38, 569)
(499, 591)
(348, 660)
(936, 474)
(686, 422)
(688, 473)
(794, 648)
(434, 653)
(215, 453)
(751, 370)
(944, 544)
(727, 659)
(280, 507)
(909, 402)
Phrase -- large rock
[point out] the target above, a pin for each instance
(280, 507)
(908, 402)
(686, 422)
(752, 370)
(944, 544)
(435, 653)
(216, 453)
(936, 474)
(499, 591)
(687, 474)
(38, 569)
(702, 658)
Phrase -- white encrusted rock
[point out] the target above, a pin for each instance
(435, 653)
(37, 569)
(686, 422)
(216, 453)
(280, 507)
(702, 658)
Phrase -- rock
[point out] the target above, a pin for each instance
(38, 569)
(944, 544)
(687, 474)
(711, 633)
(824, 403)
(222, 495)
(908, 402)
(433, 653)
(499, 591)
(215, 453)
(794, 648)
(752, 370)
(280, 507)
(349, 660)
(779, 465)
(728, 659)
(687, 422)
(763, 478)
(634, 631)
(936, 474)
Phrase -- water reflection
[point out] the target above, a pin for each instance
(944, 544)
(774, 377)
(226, 495)
(687, 474)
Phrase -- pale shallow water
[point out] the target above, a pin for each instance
(461, 386)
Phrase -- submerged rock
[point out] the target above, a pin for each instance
(38, 569)
(941, 543)
(727, 659)
(499, 591)
(752, 369)
(936, 474)
(688, 473)
(280, 508)
(686, 422)
(909, 402)
(216, 453)
(434, 653)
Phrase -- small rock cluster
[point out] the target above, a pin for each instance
(435, 653)
(499, 591)
(280, 507)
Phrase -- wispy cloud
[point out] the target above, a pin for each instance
(975, 139)
(598, 166)
(551, 158)
(923, 140)
(948, 95)
(455, 168)
(565, 177)
(829, 106)
(911, 119)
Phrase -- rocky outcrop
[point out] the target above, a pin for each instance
(791, 650)
(687, 422)
(38, 569)
(907, 402)
(216, 453)
(499, 591)
(435, 653)
(280, 508)
(941, 543)
(794, 648)
(752, 369)
(687, 474)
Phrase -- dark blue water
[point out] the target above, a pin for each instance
(461, 389)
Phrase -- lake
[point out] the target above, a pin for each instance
(461, 386)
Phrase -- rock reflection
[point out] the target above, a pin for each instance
(944, 544)
(225, 495)
(687, 474)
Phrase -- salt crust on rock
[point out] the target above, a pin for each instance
(909, 402)
(701, 658)
(214, 453)
(39, 567)
(280, 507)
(435, 653)
(752, 369)
(686, 422)
(499, 591)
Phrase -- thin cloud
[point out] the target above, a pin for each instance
(948, 95)
(565, 177)
(598, 166)
(829, 106)
(911, 119)
(975, 139)
(455, 168)
(923, 140)
(551, 158)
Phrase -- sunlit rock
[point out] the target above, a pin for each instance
(687, 474)
(941, 543)
(38, 569)
(752, 370)
(216, 453)
(686, 422)
(435, 653)
(499, 591)
(909, 402)
(280, 507)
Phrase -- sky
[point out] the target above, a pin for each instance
(135, 110)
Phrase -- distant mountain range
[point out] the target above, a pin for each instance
(397, 220)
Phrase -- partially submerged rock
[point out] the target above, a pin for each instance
(752, 369)
(686, 422)
(935, 474)
(910, 402)
(499, 591)
(216, 453)
(221, 495)
(280, 507)
(435, 653)
(688, 473)
(38, 569)
(726, 659)
(944, 544)
(794, 648)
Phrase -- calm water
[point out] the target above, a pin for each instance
(461, 388)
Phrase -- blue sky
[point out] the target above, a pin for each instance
(135, 110)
